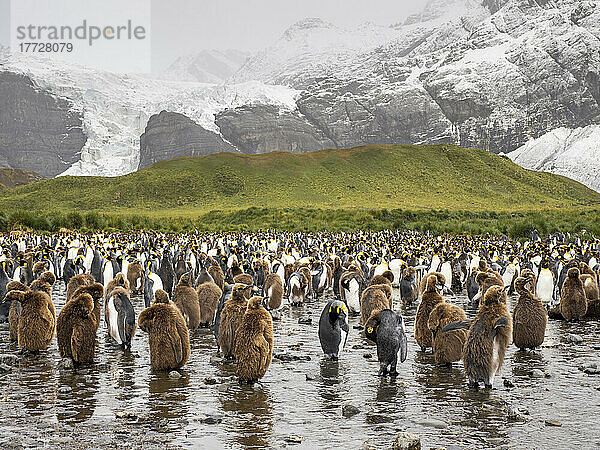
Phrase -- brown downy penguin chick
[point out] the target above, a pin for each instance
(14, 295)
(186, 299)
(529, 316)
(274, 291)
(37, 321)
(430, 299)
(231, 317)
(39, 268)
(168, 334)
(243, 278)
(76, 329)
(209, 295)
(447, 345)
(118, 281)
(217, 274)
(573, 303)
(253, 344)
(590, 286)
(96, 291)
(378, 296)
(488, 338)
(82, 279)
(528, 273)
(47, 277)
(135, 276)
(304, 270)
(386, 277)
(485, 280)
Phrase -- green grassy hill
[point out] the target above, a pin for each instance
(376, 177)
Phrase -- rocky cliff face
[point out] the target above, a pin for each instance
(10, 178)
(488, 74)
(38, 132)
(263, 128)
(171, 135)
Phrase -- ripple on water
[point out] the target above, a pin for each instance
(300, 402)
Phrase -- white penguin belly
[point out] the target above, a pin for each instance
(343, 335)
(113, 322)
(352, 297)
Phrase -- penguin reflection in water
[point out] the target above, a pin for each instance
(333, 328)
(386, 328)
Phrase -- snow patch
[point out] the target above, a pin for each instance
(116, 107)
(564, 151)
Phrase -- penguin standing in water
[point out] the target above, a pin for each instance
(434, 283)
(120, 317)
(386, 328)
(37, 321)
(274, 291)
(333, 328)
(185, 298)
(168, 338)
(545, 283)
(408, 286)
(573, 302)
(253, 342)
(529, 316)
(209, 295)
(447, 345)
(351, 287)
(76, 329)
(488, 338)
(231, 317)
(4, 305)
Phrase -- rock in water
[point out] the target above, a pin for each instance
(349, 411)
(407, 441)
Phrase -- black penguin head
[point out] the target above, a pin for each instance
(337, 310)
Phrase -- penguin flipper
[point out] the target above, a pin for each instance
(177, 346)
(501, 322)
(458, 325)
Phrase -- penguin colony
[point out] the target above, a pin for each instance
(235, 283)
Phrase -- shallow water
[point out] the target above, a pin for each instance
(42, 405)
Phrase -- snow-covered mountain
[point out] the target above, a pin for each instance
(572, 153)
(115, 108)
(502, 75)
(208, 66)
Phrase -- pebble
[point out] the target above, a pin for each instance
(174, 375)
(289, 357)
(64, 390)
(210, 381)
(407, 441)
(5, 368)
(126, 415)
(349, 411)
(552, 423)
(508, 383)
(305, 321)
(590, 369)
(310, 376)
(515, 413)
(65, 364)
(294, 439)
(7, 358)
(574, 339)
(367, 355)
(536, 373)
(212, 419)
